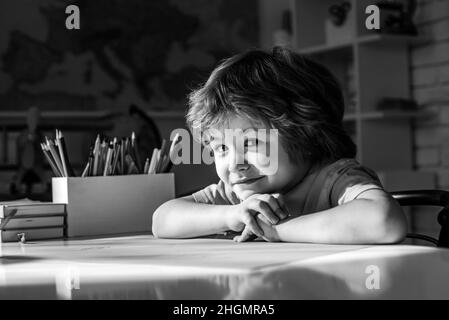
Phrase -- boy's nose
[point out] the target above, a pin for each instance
(238, 162)
(234, 167)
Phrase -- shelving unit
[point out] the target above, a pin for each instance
(370, 66)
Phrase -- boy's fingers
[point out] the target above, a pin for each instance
(264, 208)
(280, 199)
(254, 226)
(277, 207)
(246, 235)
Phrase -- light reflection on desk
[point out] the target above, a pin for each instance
(141, 267)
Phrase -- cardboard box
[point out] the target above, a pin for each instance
(108, 205)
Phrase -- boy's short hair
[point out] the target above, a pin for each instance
(284, 90)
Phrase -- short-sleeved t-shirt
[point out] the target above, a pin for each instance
(325, 188)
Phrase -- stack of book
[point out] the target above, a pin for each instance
(24, 220)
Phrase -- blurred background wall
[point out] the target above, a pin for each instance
(143, 52)
(430, 87)
(146, 53)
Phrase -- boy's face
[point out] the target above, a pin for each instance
(245, 164)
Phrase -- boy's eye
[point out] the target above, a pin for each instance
(251, 143)
(221, 148)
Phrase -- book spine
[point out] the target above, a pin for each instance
(32, 234)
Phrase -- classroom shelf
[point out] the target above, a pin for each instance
(370, 66)
(370, 39)
(386, 115)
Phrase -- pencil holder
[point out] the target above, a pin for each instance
(106, 205)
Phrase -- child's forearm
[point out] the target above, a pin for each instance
(358, 221)
(184, 218)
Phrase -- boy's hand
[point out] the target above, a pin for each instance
(269, 231)
(243, 216)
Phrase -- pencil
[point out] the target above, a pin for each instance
(55, 156)
(96, 155)
(91, 162)
(103, 153)
(126, 149)
(171, 154)
(147, 166)
(116, 156)
(158, 159)
(66, 155)
(50, 161)
(131, 164)
(161, 154)
(85, 171)
(135, 151)
(107, 163)
(152, 167)
(61, 154)
(122, 157)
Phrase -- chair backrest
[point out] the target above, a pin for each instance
(439, 198)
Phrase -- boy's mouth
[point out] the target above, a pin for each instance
(247, 180)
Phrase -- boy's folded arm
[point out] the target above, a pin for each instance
(374, 217)
(184, 218)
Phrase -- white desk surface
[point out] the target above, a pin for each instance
(141, 267)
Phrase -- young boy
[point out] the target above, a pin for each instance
(318, 193)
